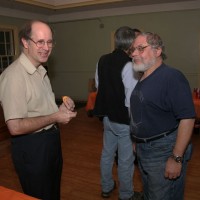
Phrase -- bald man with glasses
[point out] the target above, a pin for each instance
(32, 115)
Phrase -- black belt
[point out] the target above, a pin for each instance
(54, 127)
(156, 137)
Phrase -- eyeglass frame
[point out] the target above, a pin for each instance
(42, 42)
(139, 48)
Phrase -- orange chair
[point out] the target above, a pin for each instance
(90, 103)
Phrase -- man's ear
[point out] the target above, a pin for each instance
(158, 51)
(25, 43)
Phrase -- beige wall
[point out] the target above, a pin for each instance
(81, 43)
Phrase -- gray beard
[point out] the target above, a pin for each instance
(140, 67)
(143, 66)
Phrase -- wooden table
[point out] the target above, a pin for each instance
(8, 194)
(197, 107)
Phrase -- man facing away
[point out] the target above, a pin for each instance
(163, 115)
(115, 81)
(32, 115)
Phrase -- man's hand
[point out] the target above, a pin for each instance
(66, 110)
(64, 115)
(173, 169)
(68, 102)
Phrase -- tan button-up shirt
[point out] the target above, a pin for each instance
(25, 91)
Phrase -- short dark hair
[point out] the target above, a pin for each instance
(124, 37)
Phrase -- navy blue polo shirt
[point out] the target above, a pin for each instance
(160, 101)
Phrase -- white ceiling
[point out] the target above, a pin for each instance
(68, 10)
(61, 4)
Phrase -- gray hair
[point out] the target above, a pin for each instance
(124, 37)
(155, 41)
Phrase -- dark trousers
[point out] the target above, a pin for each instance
(38, 162)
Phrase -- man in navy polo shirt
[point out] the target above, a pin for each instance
(162, 121)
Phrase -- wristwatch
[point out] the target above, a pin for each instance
(178, 159)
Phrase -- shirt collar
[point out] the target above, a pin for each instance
(30, 68)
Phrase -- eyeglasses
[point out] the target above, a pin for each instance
(41, 43)
(140, 49)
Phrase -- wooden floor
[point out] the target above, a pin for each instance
(82, 143)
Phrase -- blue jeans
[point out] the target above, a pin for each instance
(152, 157)
(117, 137)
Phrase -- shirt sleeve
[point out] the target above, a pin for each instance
(180, 97)
(129, 78)
(13, 97)
(96, 77)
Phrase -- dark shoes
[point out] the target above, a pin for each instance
(107, 194)
(136, 196)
